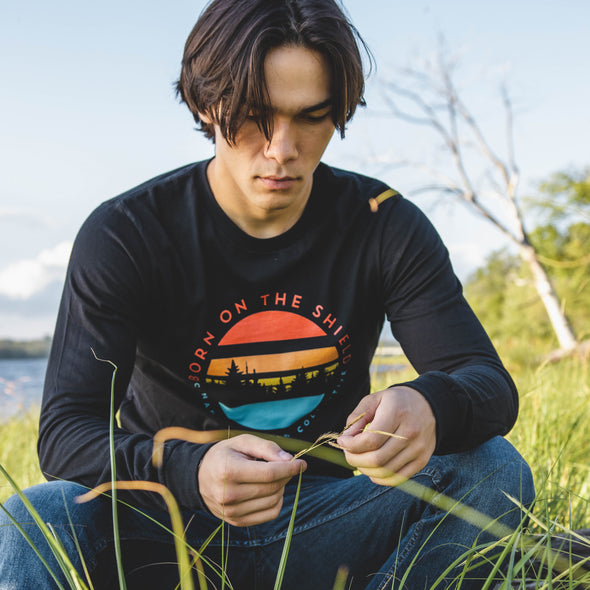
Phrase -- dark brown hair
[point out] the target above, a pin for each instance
(222, 72)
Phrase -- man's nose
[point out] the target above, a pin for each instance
(282, 146)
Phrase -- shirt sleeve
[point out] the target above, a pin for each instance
(106, 292)
(460, 374)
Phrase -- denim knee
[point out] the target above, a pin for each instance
(55, 504)
(507, 469)
(493, 477)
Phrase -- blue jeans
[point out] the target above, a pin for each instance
(376, 532)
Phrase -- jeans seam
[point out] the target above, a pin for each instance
(401, 557)
(435, 477)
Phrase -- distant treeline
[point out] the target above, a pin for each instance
(17, 349)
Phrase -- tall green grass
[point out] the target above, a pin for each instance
(550, 433)
(18, 451)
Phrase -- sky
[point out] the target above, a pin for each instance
(87, 111)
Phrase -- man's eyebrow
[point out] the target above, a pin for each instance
(317, 107)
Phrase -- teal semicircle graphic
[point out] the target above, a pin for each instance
(272, 415)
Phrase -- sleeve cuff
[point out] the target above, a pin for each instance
(451, 408)
(179, 473)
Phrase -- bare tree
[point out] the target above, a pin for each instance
(482, 179)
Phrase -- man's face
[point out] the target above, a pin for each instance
(263, 185)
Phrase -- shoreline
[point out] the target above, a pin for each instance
(24, 349)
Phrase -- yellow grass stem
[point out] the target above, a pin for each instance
(184, 568)
(297, 446)
(341, 577)
(293, 445)
(198, 565)
(302, 447)
(409, 486)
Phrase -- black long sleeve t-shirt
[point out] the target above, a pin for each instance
(211, 328)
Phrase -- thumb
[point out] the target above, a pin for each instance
(347, 438)
(359, 418)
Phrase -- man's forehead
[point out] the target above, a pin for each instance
(297, 78)
(302, 109)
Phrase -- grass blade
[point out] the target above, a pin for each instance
(78, 548)
(293, 445)
(55, 545)
(116, 535)
(341, 577)
(287, 545)
(184, 569)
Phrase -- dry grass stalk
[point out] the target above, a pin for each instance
(330, 438)
(292, 445)
(184, 566)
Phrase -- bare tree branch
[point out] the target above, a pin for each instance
(510, 131)
(436, 94)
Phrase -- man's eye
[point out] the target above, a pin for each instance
(312, 118)
(253, 115)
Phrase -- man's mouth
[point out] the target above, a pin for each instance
(273, 182)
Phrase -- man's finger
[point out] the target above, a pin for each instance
(246, 492)
(394, 478)
(250, 459)
(391, 455)
(248, 470)
(259, 448)
(369, 440)
(253, 517)
(238, 505)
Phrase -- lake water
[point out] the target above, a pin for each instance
(21, 385)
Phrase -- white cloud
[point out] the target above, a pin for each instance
(25, 278)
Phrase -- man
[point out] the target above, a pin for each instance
(248, 292)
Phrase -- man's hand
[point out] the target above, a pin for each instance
(389, 460)
(242, 479)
